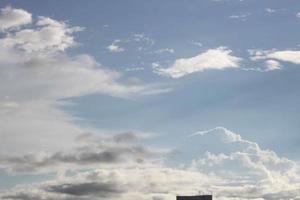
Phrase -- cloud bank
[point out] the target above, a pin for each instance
(241, 170)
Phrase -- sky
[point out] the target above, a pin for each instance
(149, 99)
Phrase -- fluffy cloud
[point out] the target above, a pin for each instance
(286, 55)
(213, 59)
(35, 79)
(242, 170)
(37, 74)
(49, 35)
(13, 18)
(249, 171)
(123, 183)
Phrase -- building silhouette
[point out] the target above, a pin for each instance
(196, 197)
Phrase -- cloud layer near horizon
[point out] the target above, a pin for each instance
(241, 170)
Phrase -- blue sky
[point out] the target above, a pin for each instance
(77, 75)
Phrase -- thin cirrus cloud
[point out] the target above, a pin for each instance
(213, 59)
(143, 42)
(165, 50)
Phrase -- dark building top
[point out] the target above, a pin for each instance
(197, 197)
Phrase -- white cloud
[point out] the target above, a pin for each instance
(285, 55)
(49, 35)
(213, 59)
(220, 132)
(272, 65)
(132, 69)
(37, 74)
(242, 170)
(298, 14)
(91, 151)
(13, 18)
(145, 183)
(248, 171)
(139, 37)
(114, 47)
(242, 17)
(199, 44)
(270, 10)
(166, 50)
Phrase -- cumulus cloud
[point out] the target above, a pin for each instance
(11, 18)
(298, 14)
(241, 170)
(249, 171)
(49, 35)
(37, 137)
(213, 59)
(122, 183)
(37, 74)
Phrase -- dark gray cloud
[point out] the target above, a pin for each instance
(34, 163)
(22, 196)
(38, 196)
(87, 189)
(114, 149)
(126, 137)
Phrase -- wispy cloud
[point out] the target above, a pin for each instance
(165, 50)
(243, 16)
(212, 59)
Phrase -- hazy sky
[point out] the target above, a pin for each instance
(149, 99)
